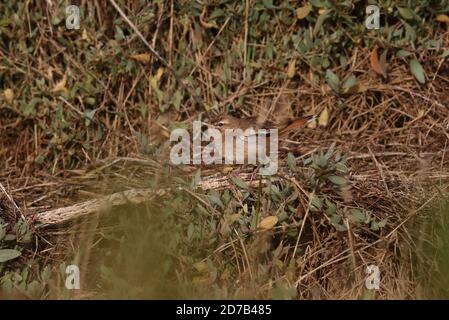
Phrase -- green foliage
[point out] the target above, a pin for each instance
(431, 253)
(108, 98)
(12, 240)
(330, 176)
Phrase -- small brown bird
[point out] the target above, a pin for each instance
(225, 121)
(251, 149)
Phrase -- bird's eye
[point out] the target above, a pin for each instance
(220, 124)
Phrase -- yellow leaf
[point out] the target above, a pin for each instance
(324, 118)
(154, 83)
(291, 69)
(442, 18)
(143, 57)
(85, 35)
(231, 218)
(322, 11)
(352, 89)
(227, 169)
(154, 80)
(204, 23)
(421, 113)
(159, 73)
(312, 124)
(304, 11)
(200, 266)
(60, 86)
(200, 279)
(9, 95)
(268, 222)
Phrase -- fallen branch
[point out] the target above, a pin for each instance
(86, 208)
(133, 196)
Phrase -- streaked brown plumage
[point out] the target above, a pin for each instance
(229, 122)
(225, 122)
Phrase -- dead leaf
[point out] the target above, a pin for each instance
(142, 57)
(312, 124)
(299, 211)
(442, 18)
(291, 69)
(304, 11)
(421, 113)
(85, 35)
(200, 266)
(227, 169)
(60, 86)
(9, 95)
(268, 222)
(159, 73)
(352, 89)
(231, 218)
(204, 23)
(323, 120)
(379, 66)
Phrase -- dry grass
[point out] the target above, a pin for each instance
(393, 132)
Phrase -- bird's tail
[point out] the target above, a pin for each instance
(296, 124)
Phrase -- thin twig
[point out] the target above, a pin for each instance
(158, 56)
(12, 201)
(302, 225)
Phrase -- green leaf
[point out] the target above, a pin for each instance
(9, 254)
(339, 227)
(332, 80)
(307, 161)
(10, 237)
(268, 4)
(317, 3)
(177, 99)
(30, 108)
(331, 208)
(269, 50)
(320, 21)
(341, 167)
(214, 199)
(418, 71)
(382, 223)
(351, 85)
(335, 219)
(291, 161)
(403, 53)
(330, 152)
(406, 13)
(89, 115)
(316, 203)
(196, 179)
(357, 215)
(239, 182)
(337, 180)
